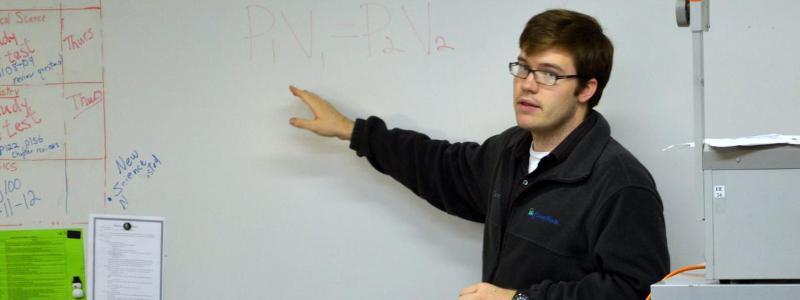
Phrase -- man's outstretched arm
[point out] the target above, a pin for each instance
(450, 177)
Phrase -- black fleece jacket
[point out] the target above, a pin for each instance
(586, 224)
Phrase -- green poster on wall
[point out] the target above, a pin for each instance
(41, 264)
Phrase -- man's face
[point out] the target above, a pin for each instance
(543, 109)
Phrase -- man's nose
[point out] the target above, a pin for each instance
(529, 83)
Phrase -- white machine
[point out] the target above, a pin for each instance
(744, 241)
(747, 202)
(751, 213)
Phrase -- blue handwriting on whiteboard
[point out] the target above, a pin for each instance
(16, 67)
(51, 66)
(30, 145)
(13, 198)
(129, 168)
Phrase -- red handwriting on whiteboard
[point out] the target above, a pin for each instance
(11, 114)
(8, 38)
(10, 166)
(268, 29)
(25, 18)
(21, 50)
(83, 102)
(76, 43)
(22, 18)
(9, 92)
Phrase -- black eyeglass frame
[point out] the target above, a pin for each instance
(530, 71)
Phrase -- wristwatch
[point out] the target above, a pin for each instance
(520, 295)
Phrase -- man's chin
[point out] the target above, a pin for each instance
(527, 122)
(529, 126)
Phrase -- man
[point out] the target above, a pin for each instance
(568, 212)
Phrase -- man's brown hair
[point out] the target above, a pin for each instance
(579, 35)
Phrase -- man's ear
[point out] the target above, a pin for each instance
(588, 91)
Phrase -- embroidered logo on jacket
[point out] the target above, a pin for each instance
(533, 214)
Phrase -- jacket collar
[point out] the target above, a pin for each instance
(574, 158)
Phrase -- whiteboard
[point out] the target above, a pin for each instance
(194, 94)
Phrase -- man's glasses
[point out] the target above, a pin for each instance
(543, 77)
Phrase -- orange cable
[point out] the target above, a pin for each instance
(680, 270)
